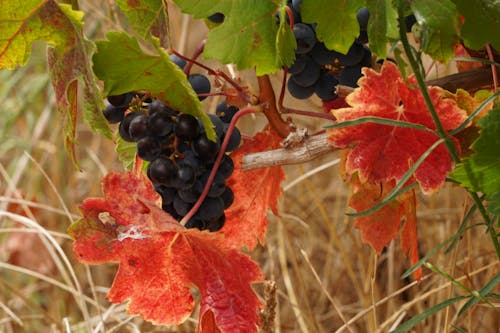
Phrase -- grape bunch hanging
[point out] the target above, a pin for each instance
(179, 153)
(318, 70)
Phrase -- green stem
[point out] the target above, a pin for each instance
(439, 127)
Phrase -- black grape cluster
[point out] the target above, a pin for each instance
(180, 154)
(318, 70)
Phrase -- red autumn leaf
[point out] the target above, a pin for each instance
(381, 227)
(255, 191)
(159, 260)
(382, 153)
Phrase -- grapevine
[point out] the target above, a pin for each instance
(204, 134)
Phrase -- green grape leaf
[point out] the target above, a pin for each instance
(143, 14)
(124, 66)
(284, 40)
(24, 22)
(383, 24)
(126, 152)
(481, 171)
(337, 25)
(248, 37)
(481, 22)
(439, 21)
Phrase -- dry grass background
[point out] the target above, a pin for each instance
(321, 277)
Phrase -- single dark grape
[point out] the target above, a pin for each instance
(160, 124)
(201, 85)
(367, 58)
(298, 65)
(125, 124)
(299, 92)
(363, 37)
(305, 36)
(225, 112)
(162, 171)
(216, 18)
(350, 75)
(178, 60)
(218, 184)
(309, 75)
(114, 114)
(234, 139)
(325, 86)
(227, 197)
(121, 100)
(215, 224)
(185, 177)
(206, 149)
(363, 15)
(189, 195)
(226, 166)
(211, 208)
(148, 148)
(218, 125)
(181, 207)
(167, 193)
(186, 127)
(193, 160)
(322, 55)
(195, 222)
(138, 127)
(354, 56)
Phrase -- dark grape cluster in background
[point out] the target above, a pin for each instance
(318, 70)
(180, 154)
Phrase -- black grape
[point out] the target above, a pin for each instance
(349, 75)
(138, 127)
(309, 75)
(114, 114)
(218, 184)
(227, 197)
(216, 18)
(296, 5)
(226, 166)
(206, 149)
(298, 65)
(162, 171)
(299, 92)
(325, 86)
(322, 55)
(225, 112)
(148, 148)
(167, 193)
(181, 207)
(160, 124)
(234, 140)
(218, 125)
(363, 15)
(215, 224)
(186, 176)
(125, 124)
(178, 60)
(186, 127)
(201, 85)
(367, 58)
(354, 55)
(305, 36)
(121, 100)
(188, 195)
(210, 208)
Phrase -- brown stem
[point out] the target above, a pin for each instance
(268, 100)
